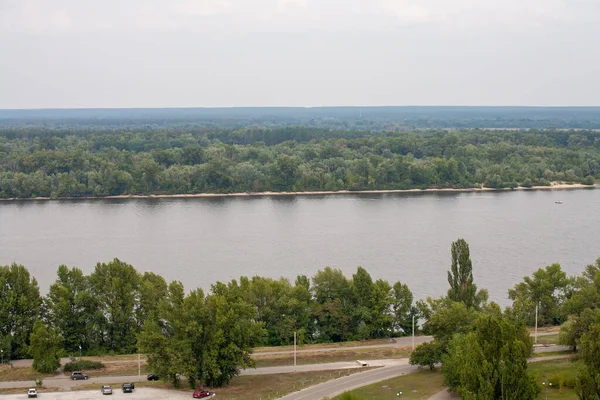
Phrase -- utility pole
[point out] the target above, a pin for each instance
(139, 368)
(294, 349)
(536, 319)
(413, 331)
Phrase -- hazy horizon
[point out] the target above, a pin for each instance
(82, 54)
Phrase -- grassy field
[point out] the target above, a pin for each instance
(418, 386)
(116, 369)
(372, 342)
(270, 360)
(255, 387)
(20, 374)
(23, 391)
(558, 372)
(550, 339)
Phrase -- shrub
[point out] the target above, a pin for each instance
(588, 180)
(81, 365)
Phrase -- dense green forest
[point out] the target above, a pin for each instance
(95, 161)
(209, 336)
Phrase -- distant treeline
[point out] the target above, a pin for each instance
(41, 162)
(361, 118)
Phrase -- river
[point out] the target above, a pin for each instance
(402, 237)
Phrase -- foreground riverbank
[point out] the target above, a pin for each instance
(553, 186)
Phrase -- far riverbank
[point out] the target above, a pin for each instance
(553, 186)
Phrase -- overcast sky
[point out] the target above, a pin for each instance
(201, 53)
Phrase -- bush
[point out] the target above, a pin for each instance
(588, 180)
(427, 355)
(81, 365)
(527, 183)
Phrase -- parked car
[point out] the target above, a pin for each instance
(152, 377)
(106, 389)
(201, 393)
(128, 388)
(31, 393)
(76, 375)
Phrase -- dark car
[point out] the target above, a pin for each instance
(201, 393)
(152, 377)
(76, 375)
(128, 388)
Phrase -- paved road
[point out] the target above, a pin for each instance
(340, 385)
(139, 394)
(398, 342)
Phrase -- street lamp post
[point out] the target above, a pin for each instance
(546, 384)
(536, 319)
(2, 352)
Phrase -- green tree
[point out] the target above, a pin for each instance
(491, 361)
(333, 303)
(588, 377)
(207, 338)
(462, 289)
(73, 311)
(427, 355)
(115, 285)
(549, 288)
(20, 303)
(45, 348)
(403, 309)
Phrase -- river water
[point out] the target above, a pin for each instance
(402, 237)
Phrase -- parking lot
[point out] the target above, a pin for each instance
(138, 394)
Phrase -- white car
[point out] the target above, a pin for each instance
(31, 393)
(106, 389)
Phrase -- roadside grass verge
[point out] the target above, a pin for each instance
(21, 374)
(419, 385)
(549, 339)
(116, 369)
(23, 391)
(318, 346)
(553, 353)
(253, 387)
(272, 360)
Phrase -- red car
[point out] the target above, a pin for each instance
(201, 393)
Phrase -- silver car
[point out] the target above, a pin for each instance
(106, 389)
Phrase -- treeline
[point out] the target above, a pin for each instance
(372, 118)
(47, 163)
(106, 311)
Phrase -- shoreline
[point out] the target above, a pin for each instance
(553, 186)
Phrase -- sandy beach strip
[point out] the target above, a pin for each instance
(554, 186)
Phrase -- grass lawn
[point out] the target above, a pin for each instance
(417, 386)
(269, 360)
(254, 387)
(115, 369)
(558, 372)
(551, 353)
(21, 374)
(318, 346)
(550, 339)
(23, 391)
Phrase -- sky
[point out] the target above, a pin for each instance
(215, 53)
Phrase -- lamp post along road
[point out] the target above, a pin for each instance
(413, 332)
(536, 319)
(294, 349)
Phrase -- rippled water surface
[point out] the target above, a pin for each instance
(402, 237)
